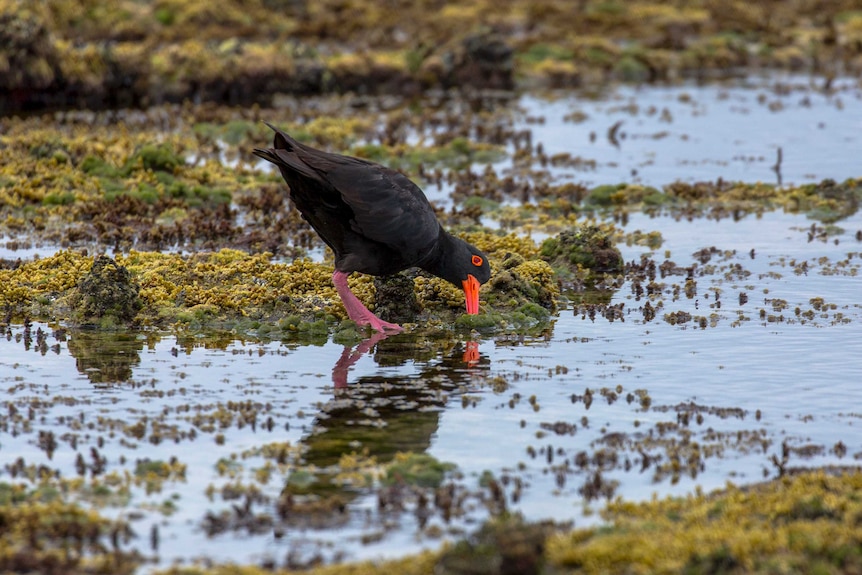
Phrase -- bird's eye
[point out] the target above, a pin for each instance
(477, 261)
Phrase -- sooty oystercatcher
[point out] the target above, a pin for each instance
(376, 221)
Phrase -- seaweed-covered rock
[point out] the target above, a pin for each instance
(520, 281)
(582, 255)
(395, 298)
(502, 546)
(482, 61)
(28, 58)
(107, 296)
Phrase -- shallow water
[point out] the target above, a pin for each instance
(701, 133)
(670, 407)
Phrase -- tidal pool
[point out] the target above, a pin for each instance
(738, 360)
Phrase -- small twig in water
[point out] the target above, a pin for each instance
(777, 167)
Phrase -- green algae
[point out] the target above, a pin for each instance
(45, 533)
(503, 545)
(583, 255)
(421, 564)
(751, 530)
(79, 183)
(458, 153)
(803, 522)
(419, 469)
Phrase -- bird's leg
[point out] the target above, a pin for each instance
(355, 310)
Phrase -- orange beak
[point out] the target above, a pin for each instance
(471, 294)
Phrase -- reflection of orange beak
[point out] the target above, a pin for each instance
(471, 294)
(471, 353)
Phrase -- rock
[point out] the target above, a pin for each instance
(107, 296)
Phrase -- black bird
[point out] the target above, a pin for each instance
(376, 221)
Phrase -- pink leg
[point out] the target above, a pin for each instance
(355, 310)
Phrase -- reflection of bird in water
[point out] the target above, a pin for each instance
(471, 353)
(375, 220)
(376, 418)
(350, 356)
(386, 414)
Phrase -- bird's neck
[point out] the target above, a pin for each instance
(442, 254)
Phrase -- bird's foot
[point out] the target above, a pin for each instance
(362, 316)
(355, 308)
(378, 324)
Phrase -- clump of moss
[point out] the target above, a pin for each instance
(583, 255)
(607, 196)
(156, 157)
(107, 296)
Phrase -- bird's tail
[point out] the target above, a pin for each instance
(284, 153)
(281, 141)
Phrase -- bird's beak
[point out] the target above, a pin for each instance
(471, 294)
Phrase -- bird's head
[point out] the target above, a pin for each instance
(476, 272)
(461, 264)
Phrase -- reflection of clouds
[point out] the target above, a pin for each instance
(105, 357)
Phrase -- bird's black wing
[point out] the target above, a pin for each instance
(379, 209)
(388, 207)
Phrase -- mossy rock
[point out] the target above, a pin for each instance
(583, 255)
(107, 296)
(505, 545)
(395, 298)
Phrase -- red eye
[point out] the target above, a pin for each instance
(477, 261)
